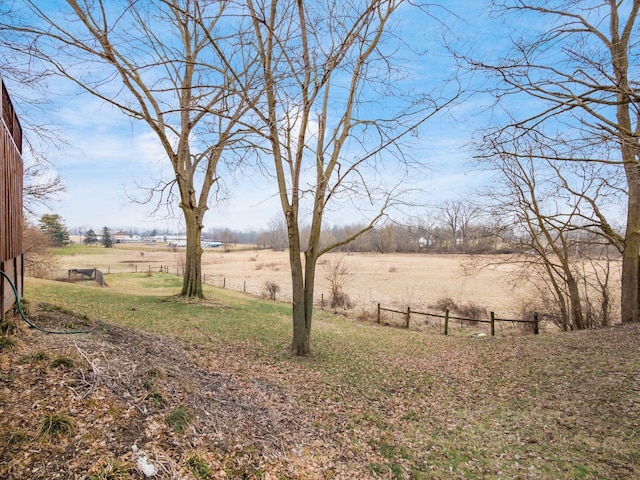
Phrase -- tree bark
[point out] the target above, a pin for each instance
(620, 44)
(192, 279)
(630, 295)
(574, 300)
(300, 343)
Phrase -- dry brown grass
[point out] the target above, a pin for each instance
(393, 280)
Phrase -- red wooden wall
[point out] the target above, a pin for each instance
(11, 254)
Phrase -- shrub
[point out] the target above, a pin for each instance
(337, 274)
(38, 356)
(445, 303)
(473, 311)
(527, 312)
(9, 327)
(155, 372)
(155, 397)
(365, 315)
(63, 362)
(15, 438)
(112, 469)
(180, 418)
(271, 289)
(7, 343)
(198, 467)
(56, 425)
(339, 299)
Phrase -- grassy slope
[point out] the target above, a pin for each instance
(411, 404)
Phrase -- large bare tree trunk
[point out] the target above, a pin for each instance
(300, 343)
(192, 279)
(630, 299)
(630, 296)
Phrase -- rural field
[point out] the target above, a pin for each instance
(393, 280)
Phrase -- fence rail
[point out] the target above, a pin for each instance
(447, 316)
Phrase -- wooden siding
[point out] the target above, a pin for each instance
(11, 178)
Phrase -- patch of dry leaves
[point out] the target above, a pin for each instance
(563, 406)
(119, 392)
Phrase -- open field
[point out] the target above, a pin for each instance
(394, 280)
(208, 391)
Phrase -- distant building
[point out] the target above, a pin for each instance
(123, 237)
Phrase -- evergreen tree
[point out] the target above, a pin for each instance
(90, 238)
(53, 226)
(107, 241)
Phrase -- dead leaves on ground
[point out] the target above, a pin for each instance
(565, 406)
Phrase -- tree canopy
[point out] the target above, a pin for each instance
(53, 226)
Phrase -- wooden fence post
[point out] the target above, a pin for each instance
(244, 286)
(408, 317)
(493, 324)
(224, 282)
(322, 301)
(378, 314)
(446, 322)
(536, 326)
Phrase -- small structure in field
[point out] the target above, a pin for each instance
(86, 273)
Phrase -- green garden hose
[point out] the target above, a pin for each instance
(29, 322)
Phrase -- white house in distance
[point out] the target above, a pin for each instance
(181, 241)
(123, 237)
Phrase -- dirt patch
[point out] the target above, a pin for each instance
(118, 388)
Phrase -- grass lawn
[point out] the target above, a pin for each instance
(394, 403)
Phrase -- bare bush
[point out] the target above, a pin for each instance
(339, 299)
(38, 261)
(337, 274)
(271, 289)
(528, 311)
(445, 303)
(365, 315)
(472, 311)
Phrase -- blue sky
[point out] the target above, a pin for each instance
(106, 155)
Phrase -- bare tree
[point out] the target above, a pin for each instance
(163, 63)
(227, 238)
(458, 216)
(552, 209)
(277, 233)
(580, 71)
(325, 66)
